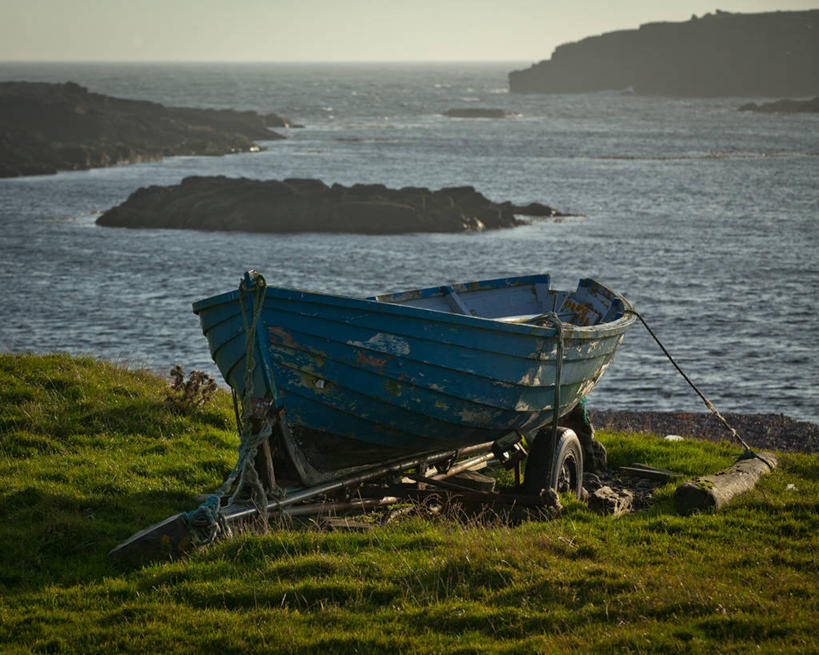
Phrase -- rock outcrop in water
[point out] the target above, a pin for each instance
(722, 54)
(45, 128)
(476, 112)
(785, 106)
(305, 205)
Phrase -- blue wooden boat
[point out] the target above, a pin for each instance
(356, 382)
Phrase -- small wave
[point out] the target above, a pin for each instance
(568, 218)
(368, 126)
(365, 139)
(702, 157)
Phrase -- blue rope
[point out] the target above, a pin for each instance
(207, 522)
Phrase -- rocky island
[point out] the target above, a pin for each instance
(721, 54)
(45, 128)
(784, 106)
(307, 205)
(476, 112)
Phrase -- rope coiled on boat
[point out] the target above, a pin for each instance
(207, 522)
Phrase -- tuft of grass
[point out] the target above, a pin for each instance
(692, 458)
(91, 452)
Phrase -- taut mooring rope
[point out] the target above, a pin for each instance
(749, 453)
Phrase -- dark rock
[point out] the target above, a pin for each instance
(49, 127)
(608, 502)
(304, 205)
(476, 112)
(784, 106)
(306, 186)
(640, 491)
(765, 54)
(591, 482)
(595, 454)
(535, 209)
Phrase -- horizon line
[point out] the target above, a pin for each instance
(260, 61)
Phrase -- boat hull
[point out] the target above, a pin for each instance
(362, 381)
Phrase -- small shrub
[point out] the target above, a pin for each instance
(194, 392)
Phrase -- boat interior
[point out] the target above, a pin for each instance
(517, 300)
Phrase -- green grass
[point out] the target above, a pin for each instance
(90, 453)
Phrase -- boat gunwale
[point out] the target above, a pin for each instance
(404, 311)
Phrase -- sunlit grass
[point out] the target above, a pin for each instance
(91, 452)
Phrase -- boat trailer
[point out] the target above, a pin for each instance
(447, 476)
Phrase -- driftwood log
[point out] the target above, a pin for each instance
(716, 491)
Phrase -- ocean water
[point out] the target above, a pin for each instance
(706, 218)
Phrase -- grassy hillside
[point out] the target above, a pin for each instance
(91, 452)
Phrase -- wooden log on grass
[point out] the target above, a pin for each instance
(716, 491)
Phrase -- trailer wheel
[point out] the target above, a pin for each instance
(562, 471)
(567, 465)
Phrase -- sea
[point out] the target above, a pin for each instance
(704, 217)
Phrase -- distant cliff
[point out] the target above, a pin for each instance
(49, 127)
(722, 54)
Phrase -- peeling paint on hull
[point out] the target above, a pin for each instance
(407, 372)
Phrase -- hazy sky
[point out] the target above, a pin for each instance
(326, 30)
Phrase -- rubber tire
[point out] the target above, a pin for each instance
(564, 470)
(566, 475)
(538, 462)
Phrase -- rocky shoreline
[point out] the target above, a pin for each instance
(477, 112)
(761, 431)
(308, 205)
(45, 128)
(784, 106)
